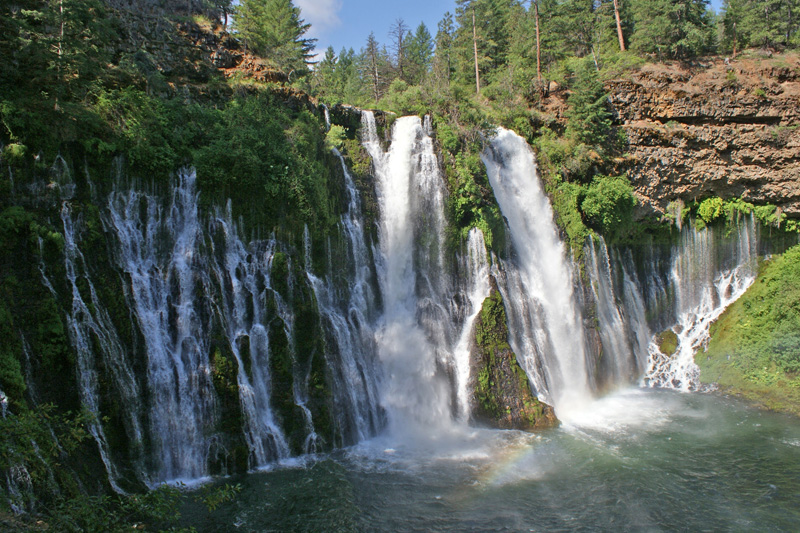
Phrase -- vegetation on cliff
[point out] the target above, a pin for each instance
(755, 346)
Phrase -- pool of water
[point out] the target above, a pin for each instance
(641, 459)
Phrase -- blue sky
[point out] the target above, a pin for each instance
(347, 23)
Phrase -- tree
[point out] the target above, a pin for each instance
(419, 52)
(676, 29)
(375, 62)
(443, 61)
(735, 34)
(770, 23)
(619, 26)
(398, 33)
(274, 30)
(588, 118)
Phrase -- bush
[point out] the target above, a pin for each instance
(608, 205)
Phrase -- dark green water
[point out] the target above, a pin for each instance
(640, 460)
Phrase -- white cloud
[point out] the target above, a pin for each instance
(323, 15)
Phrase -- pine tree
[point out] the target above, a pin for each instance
(419, 52)
(274, 30)
(443, 61)
(675, 29)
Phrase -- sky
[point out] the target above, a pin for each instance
(347, 23)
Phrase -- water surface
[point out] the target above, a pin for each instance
(642, 459)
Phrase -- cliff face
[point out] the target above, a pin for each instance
(728, 130)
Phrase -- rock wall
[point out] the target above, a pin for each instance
(721, 128)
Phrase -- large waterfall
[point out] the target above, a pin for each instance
(218, 322)
(537, 282)
(422, 325)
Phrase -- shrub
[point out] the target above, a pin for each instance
(608, 205)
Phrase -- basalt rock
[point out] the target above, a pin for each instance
(727, 129)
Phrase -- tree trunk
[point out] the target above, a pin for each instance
(538, 45)
(734, 40)
(475, 48)
(60, 50)
(619, 26)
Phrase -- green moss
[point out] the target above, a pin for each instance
(491, 332)
(279, 273)
(667, 342)
(755, 348)
(501, 389)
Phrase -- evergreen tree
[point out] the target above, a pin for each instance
(771, 23)
(735, 31)
(588, 118)
(443, 61)
(419, 52)
(676, 29)
(376, 67)
(274, 30)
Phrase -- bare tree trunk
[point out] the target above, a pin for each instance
(734, 40)
(538, 45)
(619, 26)
(60, 50)
(475, 48)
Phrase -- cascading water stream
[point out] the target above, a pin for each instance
(477, 280)
(623, 331)
(244, 277)
(159, 251)
(349, 311)
(709, 272)
(536, 284)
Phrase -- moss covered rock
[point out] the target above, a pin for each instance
(501, 395)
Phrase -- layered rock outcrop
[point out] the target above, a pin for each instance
(727, 129)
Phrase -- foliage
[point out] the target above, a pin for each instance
(274, 30)
(675, 29)
(588, 118)
(608, 205)
(754, 347)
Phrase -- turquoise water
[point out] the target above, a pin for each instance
(642, 459)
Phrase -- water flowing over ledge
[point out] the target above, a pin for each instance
(394, 311)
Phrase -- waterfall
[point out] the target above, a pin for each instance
(478, 289)
(621, 321)
(710, 270)
(416, 393)
(537, 282)
(89, 325)
(159, 252)
(349, 312)
(244, 278)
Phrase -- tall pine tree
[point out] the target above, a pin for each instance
(274, 30)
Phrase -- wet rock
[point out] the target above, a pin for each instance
(501, 394)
